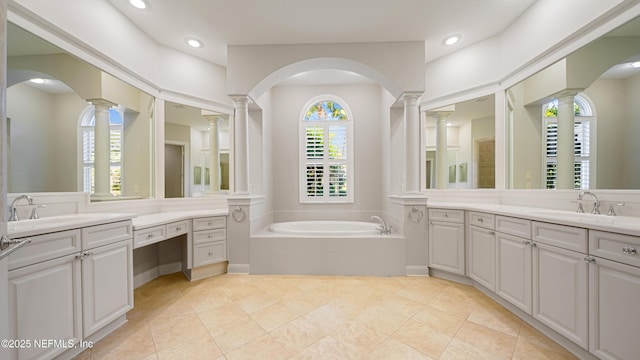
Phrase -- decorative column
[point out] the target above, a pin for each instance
(565, 167)
(241, 143)
(102, 169)
(412, 142)
(442, 160)
(214, 153)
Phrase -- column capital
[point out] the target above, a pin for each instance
(410, 96)
(101, 102)
(568, 93)
(240, 99)
(214, 118)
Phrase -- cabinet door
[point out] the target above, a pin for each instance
(614, 317)
(482, 256)
(446, 246)
(560, 291)
(45, 303)
(107, 284)
(513, 272)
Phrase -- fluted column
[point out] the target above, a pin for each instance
(442, 161)
(102, 169)
(565, 167)
(214, 153)
(241, 143)
(412, 142)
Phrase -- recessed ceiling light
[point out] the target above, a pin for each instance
(635, 64)
(194, 43)
(452, 39)
(449, 124)
(140, 4)
(37, 81)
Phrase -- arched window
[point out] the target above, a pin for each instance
(326, 152)
(87, 143)
(582, 135)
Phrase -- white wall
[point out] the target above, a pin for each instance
(288, 103)
(631, 156)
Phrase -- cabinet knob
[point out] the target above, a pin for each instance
(527, 242)
(629, 250)
(150, 236)
(492, 233)
(178, 228)
(210, 253)
(481, 220)
(589, 259)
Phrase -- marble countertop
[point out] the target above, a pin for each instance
(150, 220)
(32, 227)
(620, 224)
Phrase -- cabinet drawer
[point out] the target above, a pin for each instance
(566, 237)
(616, 247)
(514, 226)
(46, 247)
(209, 253)
(446, 215)
(148, 236)
(209, 223)
(105, 234)
(200, 237)
(484, 220)
(177, 228)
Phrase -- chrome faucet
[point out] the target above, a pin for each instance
(13, 213)
(384, 229)
(596, 202)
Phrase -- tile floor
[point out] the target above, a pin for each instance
(319, 317)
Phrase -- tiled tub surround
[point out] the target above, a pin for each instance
(575, 275)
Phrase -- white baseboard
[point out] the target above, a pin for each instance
(417, 270)
(238, 269)
(146, 276)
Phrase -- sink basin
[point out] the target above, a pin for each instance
(588, 218)
(57, 222)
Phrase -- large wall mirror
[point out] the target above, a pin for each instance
(72, 127)
(574, 125)
(196, 151)
(459, 145)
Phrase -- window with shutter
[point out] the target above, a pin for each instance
(326, 158)
(582, 138)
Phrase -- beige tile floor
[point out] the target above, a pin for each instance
(319, 317)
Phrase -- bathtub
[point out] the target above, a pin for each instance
(326, 228)
(327, 248)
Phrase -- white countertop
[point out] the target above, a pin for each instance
(620, 224)
(146, 221)
(24, 228)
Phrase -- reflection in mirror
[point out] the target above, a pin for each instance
(460, 145)
(72, 127)
(196, 151)
(574, 124)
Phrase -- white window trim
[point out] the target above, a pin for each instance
(86, 115)
(302, 179)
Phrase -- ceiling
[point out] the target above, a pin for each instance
(219, 23)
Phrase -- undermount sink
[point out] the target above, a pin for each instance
(588, 218)
(55, 222)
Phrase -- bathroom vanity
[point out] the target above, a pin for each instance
(575, 274)
(71, 285)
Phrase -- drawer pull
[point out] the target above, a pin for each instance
(481, 220)
(210, 253)
(178, 228)
(84, 255)
(150, 236)
(629, 250)
(446, 215)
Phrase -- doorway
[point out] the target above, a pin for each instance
(486, 160)
(173, 171)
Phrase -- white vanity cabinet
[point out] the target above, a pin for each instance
(446, 240)
(209, 240)
(482, 249)
(68, 298)
(45, 302)
(614, 293)
(560, 280)
(514, 261)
